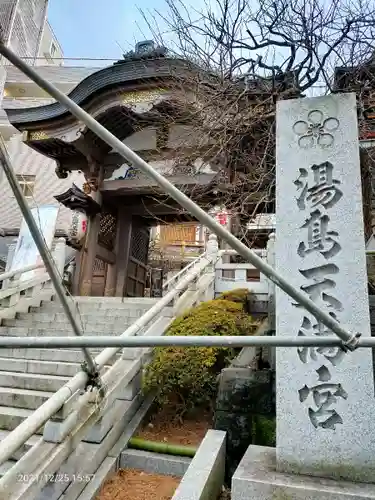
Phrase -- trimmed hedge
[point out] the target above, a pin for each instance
(185, 377)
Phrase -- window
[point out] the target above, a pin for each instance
(53, 50)
(51, 53)
(27, 184)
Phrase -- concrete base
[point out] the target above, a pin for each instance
(154, 463)
(105, 471)
(204, 478)
(256, 478)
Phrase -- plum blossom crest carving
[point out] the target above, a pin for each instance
(316, 130)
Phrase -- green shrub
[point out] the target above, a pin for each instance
(237, 295)
(185, 377)
(240, 296)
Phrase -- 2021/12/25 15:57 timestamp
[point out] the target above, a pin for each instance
(55, 478)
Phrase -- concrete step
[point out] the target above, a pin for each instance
(64, 369)
(60, 317)
(64, 355)
(6, 466)
(25, 448)
(155, 463)
(93, 307)
(45, 327)
(90, 313)
(10, 417)
(32, 381)
(15, 331)
(23, 306)
(23, 398)
(88, 456)
(107, 301)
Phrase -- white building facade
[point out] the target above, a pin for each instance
(28, 33)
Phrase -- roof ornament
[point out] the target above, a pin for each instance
(75, 199)
(144, 50)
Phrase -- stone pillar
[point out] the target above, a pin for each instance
(325, 397)
(212, 246)
(271, 313)
(245, 410)
(59, 255)
(11, 250)
(212, 250)
(271, 284)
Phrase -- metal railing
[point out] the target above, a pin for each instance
(347, 340)
(350, 339)
(201, 341)
(18, 272)
(45, 255)
(168, 284)
(30, 425)
(239, 278)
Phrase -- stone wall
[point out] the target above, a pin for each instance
(245, 404)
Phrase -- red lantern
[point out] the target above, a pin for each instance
(222, 218)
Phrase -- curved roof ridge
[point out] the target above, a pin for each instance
(114, 75)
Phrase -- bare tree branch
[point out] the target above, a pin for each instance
(253, 54)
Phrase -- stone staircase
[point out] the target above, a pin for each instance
(62, 449)
(29, 377)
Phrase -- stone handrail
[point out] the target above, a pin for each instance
(259, 286)
(16, 273)
(28, 286)
(261, 252)
(172, 281)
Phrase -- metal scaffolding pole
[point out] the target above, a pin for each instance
(168, 341)
(350, 340)
(5, 161)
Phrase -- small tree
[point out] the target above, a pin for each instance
(252, 54)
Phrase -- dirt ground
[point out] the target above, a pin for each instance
(162, 428)
(137, 485)
(132, 484)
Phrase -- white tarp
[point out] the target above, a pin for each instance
(26, 252)
(262, 221)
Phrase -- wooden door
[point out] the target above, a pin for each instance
(137, 266)
(99, 276)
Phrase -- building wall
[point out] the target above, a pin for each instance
(7, 13)
(20, 92)
(50, 51)
(28, 162)
(25, 20)
(65, 78)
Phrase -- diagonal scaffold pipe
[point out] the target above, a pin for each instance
(349, 339)
(89, 366)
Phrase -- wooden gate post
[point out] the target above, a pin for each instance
(123, 242)
(91, 187)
